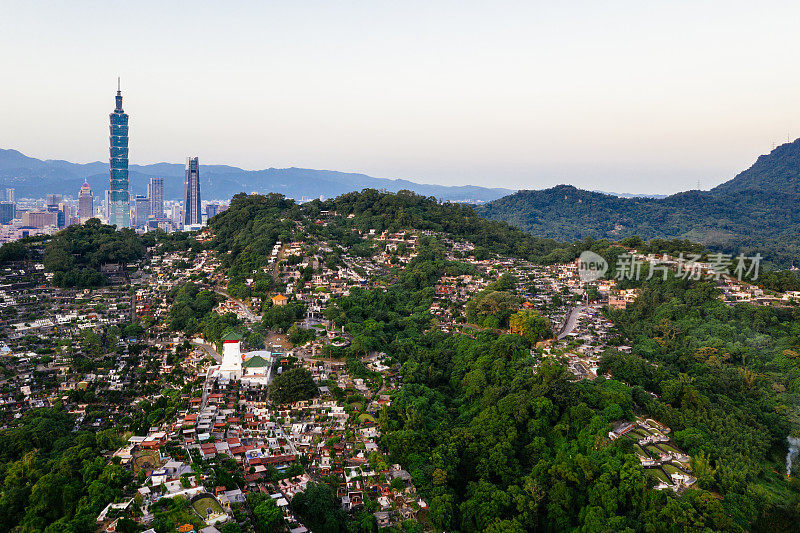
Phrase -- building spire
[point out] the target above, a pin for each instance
(119, 97)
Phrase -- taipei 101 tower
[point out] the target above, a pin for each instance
(119, 200)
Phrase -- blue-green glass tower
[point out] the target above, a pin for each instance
(119, 206)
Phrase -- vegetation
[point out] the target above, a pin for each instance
(749, 222)
(246, 233)
(281, 317)
(76, 254)
(319, 509)
(13, 251)
(493, 306)
(267, 513)
(192, 312)
(531, 325)
(53, 479)
(727, 379)
(292, 386)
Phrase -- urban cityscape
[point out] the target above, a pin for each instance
(26, 217)
(491, 343)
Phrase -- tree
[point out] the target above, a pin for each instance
(268, 515)
(531, 325)
(293, 386)
(319, 509)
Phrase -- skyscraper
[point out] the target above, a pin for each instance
(141, 211)
(155, 191)
(52, 201)
(7, 212)
(85, 203)
(119, 201)
(212, 210)
(191, 193)
(106, 203)
(54, 205)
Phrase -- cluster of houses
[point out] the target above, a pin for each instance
(670, 466)
(278, 450)
(268, 443)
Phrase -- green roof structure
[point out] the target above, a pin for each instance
(255, 362)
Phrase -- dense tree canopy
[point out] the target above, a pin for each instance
(76, 254)
(531, 325)
(292, 386)
(53, 479)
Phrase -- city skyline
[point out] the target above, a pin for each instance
(516, 95)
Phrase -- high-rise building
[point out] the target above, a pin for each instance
(141, 210)
(155, 191)
(191, 194)
(119, 201)
(39, 219)
(10, 195)
(85, 203)
(212, 210)
(106, 203)
(176, 212)
(52, 201)
(7, 212)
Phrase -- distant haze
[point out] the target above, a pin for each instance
(625, 96)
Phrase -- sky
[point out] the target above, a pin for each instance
(628, 96)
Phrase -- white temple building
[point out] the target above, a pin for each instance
(252, 367)
(231, 367)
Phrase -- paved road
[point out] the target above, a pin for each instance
(208, 386)
(209, 383)
(210, 350)
(571, 322)
(249, 314)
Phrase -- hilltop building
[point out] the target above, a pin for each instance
(252, 368)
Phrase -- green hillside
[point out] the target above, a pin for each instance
(754, 212)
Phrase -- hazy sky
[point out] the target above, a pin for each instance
(617, 96)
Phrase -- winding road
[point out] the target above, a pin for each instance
(249, 314)
(571, 322)
(209, 383)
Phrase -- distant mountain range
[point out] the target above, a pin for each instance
(756, 211)
(34, 178)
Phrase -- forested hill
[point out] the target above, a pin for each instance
(247, 231)
(755, 211)
(494, 443)
(778, 171)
